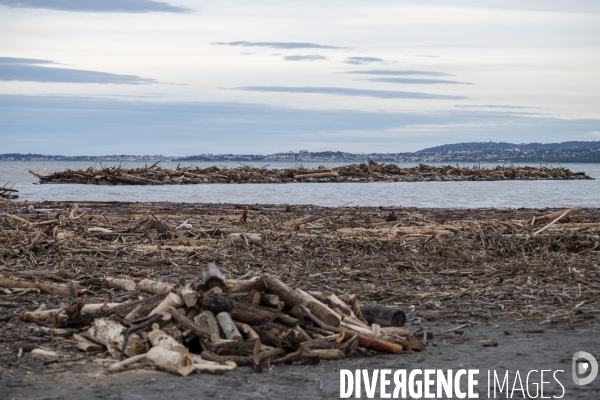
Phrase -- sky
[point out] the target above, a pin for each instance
(182, 77)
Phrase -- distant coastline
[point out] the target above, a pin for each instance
(566, 152)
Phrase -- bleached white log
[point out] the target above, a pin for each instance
(170, 361)
(110, 334)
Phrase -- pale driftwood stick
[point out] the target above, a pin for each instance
(151, 286)
(199, 360)
(214, 369)
(189, 296)
(333, 174)
(172, 300)
(44, 353)
(213, 277)
(376, 329)
(229, 329)
(356, 321)
(109, 333)
(234, 284)
(159, 338)
(320, 310)
(551, 223)
(46, 288)
(34, 316)
(340, 306)
(124, 284)
(551, 216)
(58, 331)
(171, 361)
(125, 364)
(86, 345)
(365, 331)
(395, 331)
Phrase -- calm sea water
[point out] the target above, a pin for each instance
(418, 194)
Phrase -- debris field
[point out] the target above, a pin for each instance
(211, 287)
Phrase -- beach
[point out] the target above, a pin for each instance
(480, 285)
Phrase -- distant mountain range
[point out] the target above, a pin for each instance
(488, 147)
(580, 152)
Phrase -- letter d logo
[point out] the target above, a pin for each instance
(590, 364)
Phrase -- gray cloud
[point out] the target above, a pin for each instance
(99, 6)
(534, 5)
(23, 61)
(491, 106)
(365, 60)
(418, 81)
(337, 91)
(397, 73)
(27, 69)
(280, 45)
(308, 57)
(83, 125)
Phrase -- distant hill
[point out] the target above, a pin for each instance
(473, 152)
(493, 147)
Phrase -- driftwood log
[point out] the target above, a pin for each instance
(110, 334)
(212, 277)
(170, 361)
(383, 316)
(200, 331)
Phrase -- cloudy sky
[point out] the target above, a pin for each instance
(182, 77)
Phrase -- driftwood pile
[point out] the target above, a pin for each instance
(218, 324)
(8, 193)
(367, 172)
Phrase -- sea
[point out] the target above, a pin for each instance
(494, 194)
